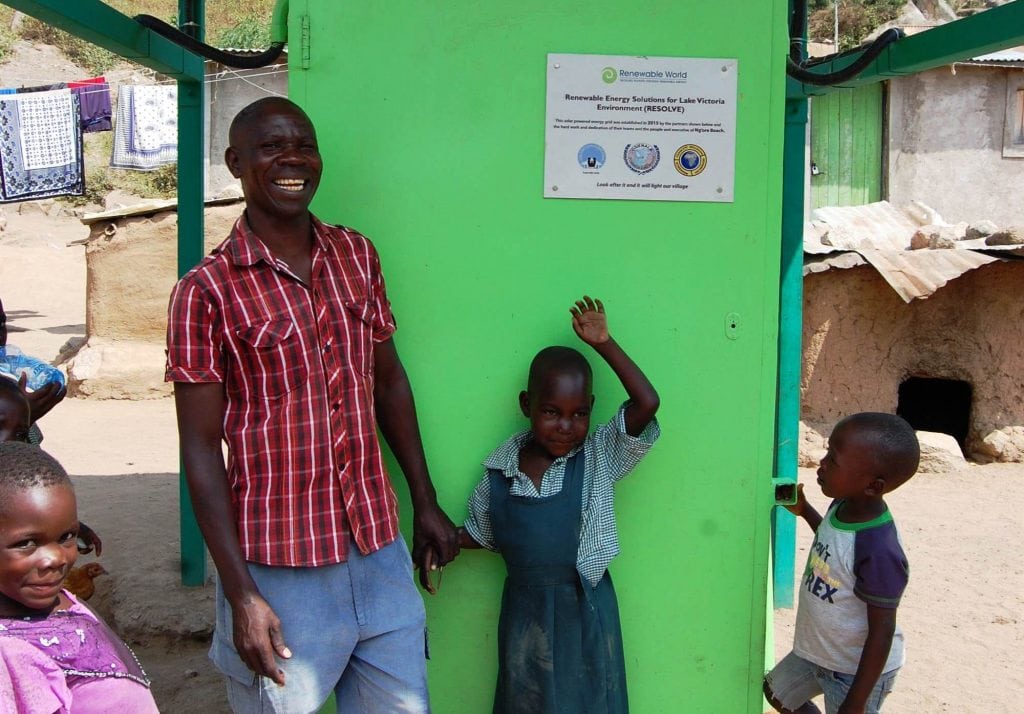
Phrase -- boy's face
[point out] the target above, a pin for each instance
(559, 411)
(14, 418)
(848, 469)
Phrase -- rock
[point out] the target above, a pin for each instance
(981, 229)
(960, 230)
(117, 370)
(1011, 236)
(936, 236)
(813, 444)
(1006, 444)
(120, 199)
(940, 453)
(920, 239)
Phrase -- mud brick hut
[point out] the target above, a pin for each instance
(905, 313)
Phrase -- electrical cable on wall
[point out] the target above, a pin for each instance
(799, 69)
(209, 52)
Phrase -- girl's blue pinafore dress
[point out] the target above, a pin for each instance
(559, 640)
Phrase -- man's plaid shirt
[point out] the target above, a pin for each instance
(296, 361)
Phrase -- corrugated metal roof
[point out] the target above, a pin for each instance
(880, 234)
(1014, 54)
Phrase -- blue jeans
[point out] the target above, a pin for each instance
(355, 628)
(795, 681)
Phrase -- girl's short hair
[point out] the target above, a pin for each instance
(24, 466)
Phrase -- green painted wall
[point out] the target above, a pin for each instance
(846, 146)
(431, 120)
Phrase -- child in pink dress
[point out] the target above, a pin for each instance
(56, 655)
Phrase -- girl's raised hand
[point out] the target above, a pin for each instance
(589, 321)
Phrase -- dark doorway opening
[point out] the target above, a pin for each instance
(942, 405)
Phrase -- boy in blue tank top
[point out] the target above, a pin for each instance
(847, 645)
(545, 504)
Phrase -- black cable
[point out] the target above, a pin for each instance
(229, 59)
(801, 73)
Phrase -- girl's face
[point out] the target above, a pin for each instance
(38, 535)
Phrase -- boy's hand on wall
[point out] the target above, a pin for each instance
(589, 321)
(797, 509)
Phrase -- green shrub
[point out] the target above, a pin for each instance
(251, 32)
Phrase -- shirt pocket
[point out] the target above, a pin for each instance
(362, 315)
(271, 358)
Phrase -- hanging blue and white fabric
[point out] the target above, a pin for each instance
(40, 146)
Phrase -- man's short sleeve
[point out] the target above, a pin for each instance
(383, 322)
(880, 566)
(193, 340)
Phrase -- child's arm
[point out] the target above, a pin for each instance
(465, 539)
(802, 509)
(591, 325)
(881, 628)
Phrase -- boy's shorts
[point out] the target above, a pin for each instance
(795, 681)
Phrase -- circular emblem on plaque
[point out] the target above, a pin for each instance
(690, 160)
(590, 156)
(641, 158)
(609, 75)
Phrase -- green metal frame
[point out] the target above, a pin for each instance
(101, 25)
(994, 29)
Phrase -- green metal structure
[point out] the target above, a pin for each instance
(431, 122)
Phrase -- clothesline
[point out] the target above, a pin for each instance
(217, 77)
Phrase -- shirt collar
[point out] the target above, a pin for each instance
(245, 248)
(506, 457)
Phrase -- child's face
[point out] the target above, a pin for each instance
(559, 412)
(38, 538)
(848, 468)
(14, 419)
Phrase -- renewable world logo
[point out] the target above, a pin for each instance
(609, 75)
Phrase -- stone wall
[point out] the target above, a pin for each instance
(131, 266)
(860, 341)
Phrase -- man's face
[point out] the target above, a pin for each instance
(278, 161)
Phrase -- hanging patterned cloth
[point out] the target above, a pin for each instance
(40, 145)
(146, 127)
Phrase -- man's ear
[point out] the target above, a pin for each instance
(524, 403)
(876, 487)
(231, 161)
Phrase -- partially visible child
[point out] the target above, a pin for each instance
(545, 504)
(15, 417)
(56, 655)
(15, 423)
(847, 645)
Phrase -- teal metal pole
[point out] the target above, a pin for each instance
(787, 416)
(790, 354)
(191, 189)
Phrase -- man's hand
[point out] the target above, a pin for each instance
(88, 540)
(43, 399)
(589, 321)
(433, 532)
(257, 635)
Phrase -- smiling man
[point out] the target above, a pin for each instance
(280, 343)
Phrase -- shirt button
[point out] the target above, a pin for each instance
(335, 407)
